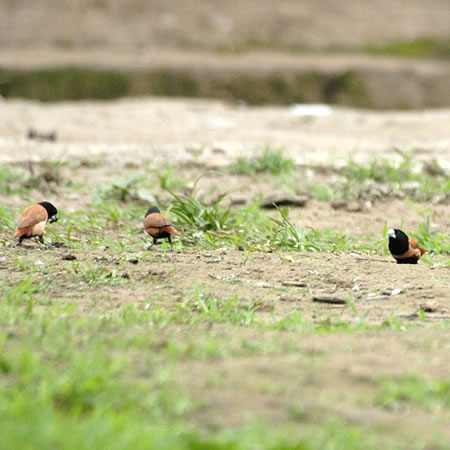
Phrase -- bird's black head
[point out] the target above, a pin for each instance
(152, 210)
(398, 241)
(51, 211)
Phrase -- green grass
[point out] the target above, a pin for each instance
(67, 83)
(92, 358)
(140, 187)
(107, 380)
(414, 389)
(422, 47)
(101, 378)
(12, 181)
(382, 178)
(215, 225)
(270, 161)
(123, 189)
(198, 216)
(32, 176)
(249, 228)
(419, 48)
(120, 205)
(382, 170)
(437, 242)
(7, 221)
(290, 236)
(98, 275)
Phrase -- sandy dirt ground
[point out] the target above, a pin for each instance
(314, 376)
(130, 130)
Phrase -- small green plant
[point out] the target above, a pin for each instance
(292, 236)
(271, 161)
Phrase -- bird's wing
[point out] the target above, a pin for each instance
(31, 216)
(156, 220)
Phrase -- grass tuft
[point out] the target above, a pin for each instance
(270, 161)
(196, 215)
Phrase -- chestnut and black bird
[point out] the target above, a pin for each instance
(403, 248)
(158, 226)
(33, 220)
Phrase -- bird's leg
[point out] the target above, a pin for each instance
(152, 244)
(20, 242)
(170, 242)
(41, 240)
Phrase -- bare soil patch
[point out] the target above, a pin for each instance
(214, 133)
(272, 284)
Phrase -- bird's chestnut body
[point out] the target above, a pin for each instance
(158, 226)
(33, 220)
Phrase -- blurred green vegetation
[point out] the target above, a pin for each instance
(419, 48)
(69, 83)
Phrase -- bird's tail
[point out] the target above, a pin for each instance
(422, 251)
(20, 232)
(170, 229)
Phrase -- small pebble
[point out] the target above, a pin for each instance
(377, 297)
(262, 284)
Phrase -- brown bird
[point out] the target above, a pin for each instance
(158, 226)
(404, 249)
(33, 220)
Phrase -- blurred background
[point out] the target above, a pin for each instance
(376, 54)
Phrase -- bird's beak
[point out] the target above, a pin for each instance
(391, 233)
(54, 218)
